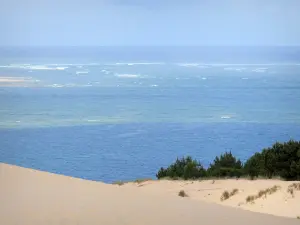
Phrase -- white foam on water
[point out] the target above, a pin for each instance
(260, 70)
(154, 85)
(56, 85)
(135, 63)
(225, 117)
(82, 72)
(61, 68)
(70, 85)
(35, 67)
(188, 64)
(93, 121)
(235, 69)
(204, 78)
(126, 75)
(105, 71)
(245, 78)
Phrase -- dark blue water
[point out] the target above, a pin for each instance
(121, 113)
(130, 151)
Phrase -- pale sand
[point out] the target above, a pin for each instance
(29, 197)
(280, 203)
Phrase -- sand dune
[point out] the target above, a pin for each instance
(33, 197)
(279, 203)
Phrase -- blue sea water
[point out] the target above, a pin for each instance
(121, 113)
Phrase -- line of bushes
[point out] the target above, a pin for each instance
(282, 159)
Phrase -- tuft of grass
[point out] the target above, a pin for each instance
(182, 194)
(298, 217)
(120, 183)
(142, 180)
(250, 198)
(293, 187)
(234, 191)
(261, 193)
(226, 195)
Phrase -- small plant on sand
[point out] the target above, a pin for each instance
(293, 187)
(120, 183)
(250, 198)
(226, 195)
(291, 191)
(182, 194)
(142, 180)
(234, 191)
(298, 217)
(262, 193)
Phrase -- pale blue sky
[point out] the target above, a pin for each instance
(146, 22)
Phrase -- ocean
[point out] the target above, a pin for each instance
(121, 113)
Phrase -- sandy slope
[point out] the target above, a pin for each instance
(280, 203)
(36, 198)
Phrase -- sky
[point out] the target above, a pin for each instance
(149, 22)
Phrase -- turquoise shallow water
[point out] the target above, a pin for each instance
(122, 116)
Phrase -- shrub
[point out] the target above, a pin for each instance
(293, 187)
(234, 191)
(253, 166)
(262, 193)
(120, 183)
(226, 195)
(281, 159)
(225, 166)
(142, 180)
(250, 198)
(185, 168)
(182, 194)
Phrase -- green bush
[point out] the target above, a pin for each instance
(185, 168)
(253, 166)
(225, 166)
(281, 159)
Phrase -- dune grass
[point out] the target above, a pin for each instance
(226, 194)
(292, 188)
(261, 193)
(142, 180)
(120, 183)
(182, 193)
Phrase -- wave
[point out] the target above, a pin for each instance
(34, 67)
(105, 71)
(260, 70)
(82, 72)
(225, 117)
(125, 75)
(56, 85)
(136, 63)
(235, 69)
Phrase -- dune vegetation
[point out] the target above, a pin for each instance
(281, 160)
